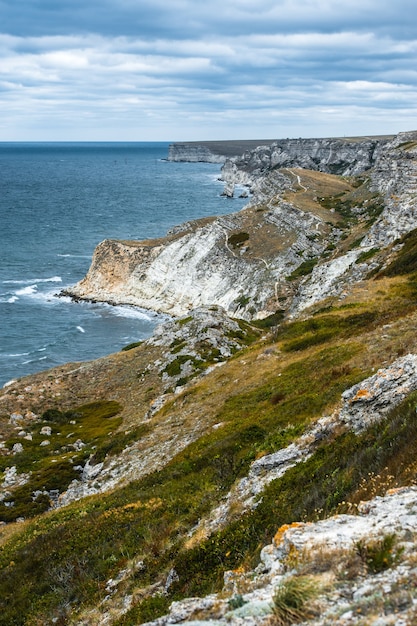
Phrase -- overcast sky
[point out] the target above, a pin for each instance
(181, 70)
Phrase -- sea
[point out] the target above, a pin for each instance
(57, 202)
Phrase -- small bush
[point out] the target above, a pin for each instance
(367, 254)
(147, 610)
(59, 417)
(304, 269)
(379, 554)
(236, 602)
(290, 600)
(268, 322)
(130, 346)
(237, 239)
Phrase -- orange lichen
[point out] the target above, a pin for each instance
(362, 393)
(279, 535)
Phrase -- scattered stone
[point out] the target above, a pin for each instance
(78, 445)
(15, 418)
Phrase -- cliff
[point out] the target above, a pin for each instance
(298, 219)
(230, 471)
(211, 151)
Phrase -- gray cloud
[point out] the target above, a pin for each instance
(139, 69)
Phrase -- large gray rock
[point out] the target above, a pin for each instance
(370, 400)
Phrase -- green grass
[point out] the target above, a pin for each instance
(54, 563)
(318, 329)
(130, 346)
(309, 490)
(406, 259)
(408, 145)
(367, 254)
(305, 268)
(269, 322)
(53, 467)
(53, 566)
(348, 205)
(150, 517)
(291, 599)
(146, 611)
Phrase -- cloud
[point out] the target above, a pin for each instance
(181, 70)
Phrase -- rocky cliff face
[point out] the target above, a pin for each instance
(211, 151)
(233, 261)
(346, 157)
(241, 261)
(193, 153)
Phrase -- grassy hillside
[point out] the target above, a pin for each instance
(56, 565)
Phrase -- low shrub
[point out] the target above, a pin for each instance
(132, 345)
(305, 268)
(406, 259)
(237, 239)
(147, 610)
(378, 554)
(366, 254)
(290, 600)
(269, 322)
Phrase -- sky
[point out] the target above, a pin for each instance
(194, 70)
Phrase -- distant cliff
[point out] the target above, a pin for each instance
(212, 151)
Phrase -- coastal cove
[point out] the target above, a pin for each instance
(57, 202)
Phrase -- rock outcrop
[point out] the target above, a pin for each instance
(233, 261)
(343, 156)
(333, 553)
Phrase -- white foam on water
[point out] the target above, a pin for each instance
(81, 329)
(42, 358)
(27, 291)
(73, 256)
(9, 382)
(133, 312)
(29, 281)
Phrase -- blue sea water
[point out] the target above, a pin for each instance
(57, 202)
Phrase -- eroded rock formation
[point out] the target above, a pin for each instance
(241, 261)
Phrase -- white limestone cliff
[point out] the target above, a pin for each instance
(205, 265)
(240, 261)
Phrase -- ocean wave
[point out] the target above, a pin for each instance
(29, 281)
(42, 358)
(7, 299)
(133, 312)
(48, 296)
(74, 256)
(27, 291)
